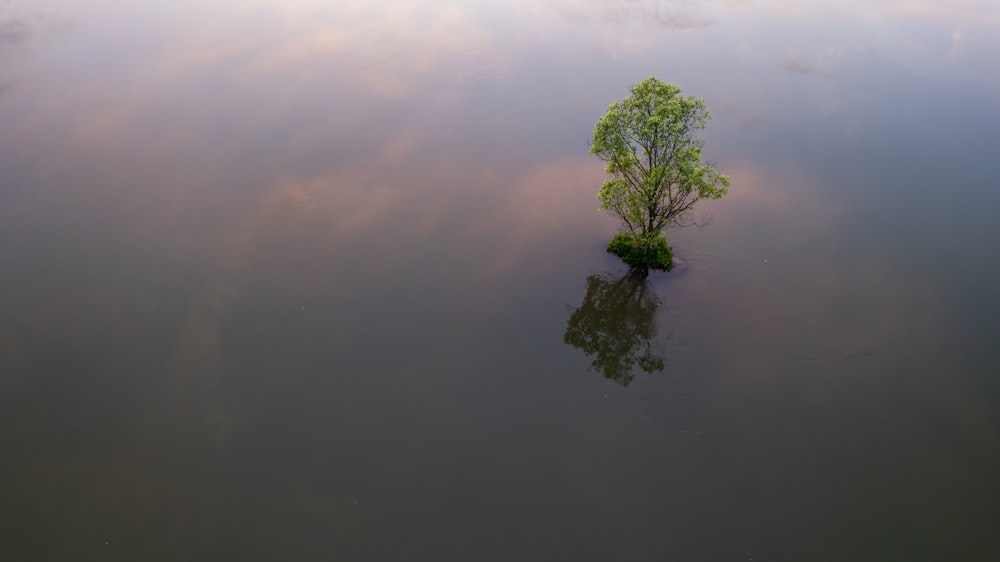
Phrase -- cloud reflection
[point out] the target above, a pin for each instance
(799, 67)
(13, 31)
(384, 47)
(668, 14)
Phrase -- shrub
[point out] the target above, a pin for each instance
(648, 254)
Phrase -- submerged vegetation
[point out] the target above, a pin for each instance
(654, 255)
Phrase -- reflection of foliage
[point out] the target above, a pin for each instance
(616, 325)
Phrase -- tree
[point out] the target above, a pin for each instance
(616, 326)
(649, 142)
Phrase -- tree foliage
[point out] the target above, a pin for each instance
(653, 153)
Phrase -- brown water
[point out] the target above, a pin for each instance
(306, 280)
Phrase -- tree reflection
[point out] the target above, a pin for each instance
(616, 326)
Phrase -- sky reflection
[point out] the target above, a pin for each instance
(297, 273)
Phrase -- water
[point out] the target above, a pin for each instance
(315, 281)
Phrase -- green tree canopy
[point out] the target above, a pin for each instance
(654, 155)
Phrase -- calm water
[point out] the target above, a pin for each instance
(310, 280)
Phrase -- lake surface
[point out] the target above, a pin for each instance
(307, 280)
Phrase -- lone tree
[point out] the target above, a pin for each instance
(648, 140)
